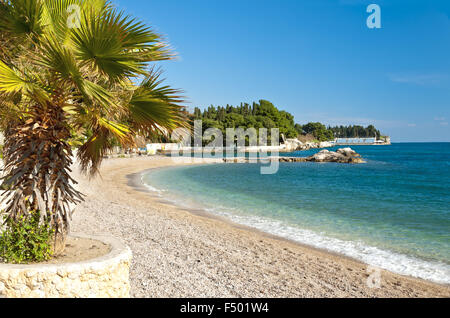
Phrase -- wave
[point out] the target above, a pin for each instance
(151, 188)
(394, 262)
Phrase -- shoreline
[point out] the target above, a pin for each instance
(136, 183)
(312, 272)
(293, 235)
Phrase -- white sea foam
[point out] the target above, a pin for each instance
(151, 188)
(394, 262)
(373, 256)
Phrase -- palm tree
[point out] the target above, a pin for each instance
(73, 67)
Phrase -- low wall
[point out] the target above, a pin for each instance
(103, 277)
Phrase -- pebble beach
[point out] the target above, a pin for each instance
(184, 253)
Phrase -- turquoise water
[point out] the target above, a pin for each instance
(392, 212)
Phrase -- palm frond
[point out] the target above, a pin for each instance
(95, 93)
(154, 107)
(59, 59)
(91, 154)
(116, 46)
(11, 81)
(60, 16)
(21, 17)
(120, 131)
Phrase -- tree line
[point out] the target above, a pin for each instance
(258, 115)
(264, 114)
(323, 133)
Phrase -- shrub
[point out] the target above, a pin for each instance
(26, 240)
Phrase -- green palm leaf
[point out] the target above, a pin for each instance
(11, 81)
(115, 45)
(155, 107)
(21, 17)
(60, 82)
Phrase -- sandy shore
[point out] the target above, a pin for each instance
(178, 253)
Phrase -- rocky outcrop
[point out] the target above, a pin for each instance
(315, 145)
(326, 144)
(311, 145)
(296, 145)
(344, 155)
(293, 145)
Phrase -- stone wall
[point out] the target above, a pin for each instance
(104, 277)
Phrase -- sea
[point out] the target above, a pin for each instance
(392, 212)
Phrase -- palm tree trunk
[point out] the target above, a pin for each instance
(37, 160)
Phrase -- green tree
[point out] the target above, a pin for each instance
(319, 131)
(355, 131)
(260, 115)
(299, 129)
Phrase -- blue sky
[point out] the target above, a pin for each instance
(314, 58)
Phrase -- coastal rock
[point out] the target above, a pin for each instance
(293, 145)
(344, 155)
(325, 144)
(346, 151)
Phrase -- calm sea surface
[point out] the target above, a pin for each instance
(393, 212)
